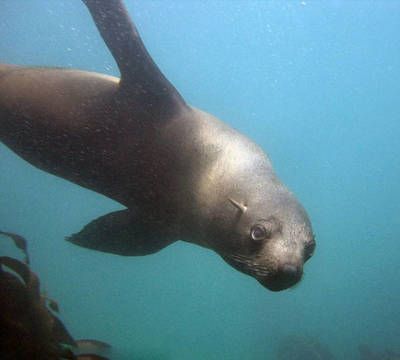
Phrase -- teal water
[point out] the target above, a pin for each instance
(317, 85)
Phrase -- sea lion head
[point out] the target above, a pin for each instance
(271, 239)
(258, 225)
(244, 212)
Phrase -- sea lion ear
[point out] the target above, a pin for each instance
(242, 208)
(140, 76)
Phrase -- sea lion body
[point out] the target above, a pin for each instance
(181, 173)
(98, 141)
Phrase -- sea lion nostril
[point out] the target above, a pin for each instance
(291, 271)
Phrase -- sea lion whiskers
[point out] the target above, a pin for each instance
(250, 266)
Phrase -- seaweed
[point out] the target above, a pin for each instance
(30, 328)
(20, 242)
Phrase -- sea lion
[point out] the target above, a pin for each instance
(180, 172)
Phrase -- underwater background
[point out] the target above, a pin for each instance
(317, 85)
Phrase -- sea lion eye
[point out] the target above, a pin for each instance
(259, 232)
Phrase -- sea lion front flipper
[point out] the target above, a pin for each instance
(123, 233)
(140, 77)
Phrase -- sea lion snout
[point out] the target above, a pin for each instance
(287, 275)
(271, 275)
(290, 273)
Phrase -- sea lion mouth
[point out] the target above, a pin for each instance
(278, 282)
(278, 279)
(285, 277)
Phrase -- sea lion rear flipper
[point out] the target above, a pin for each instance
(140, 77)
(123, 233)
